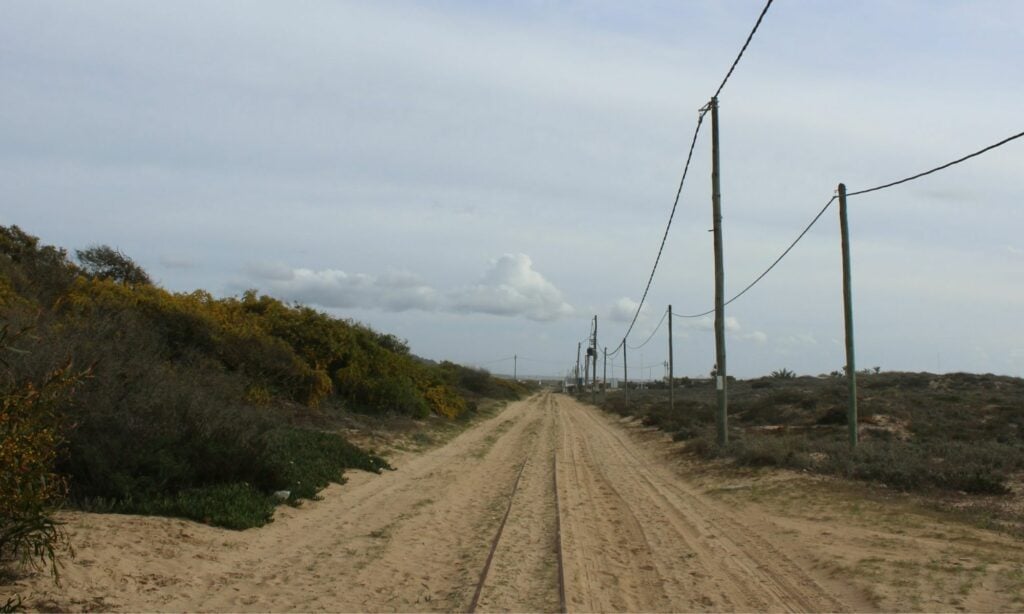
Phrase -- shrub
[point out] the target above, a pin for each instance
(105, 262)
(783, 374)
(32, 433)
(232, 506)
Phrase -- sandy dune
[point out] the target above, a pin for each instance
(638, 534)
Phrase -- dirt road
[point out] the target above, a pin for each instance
(635, 535)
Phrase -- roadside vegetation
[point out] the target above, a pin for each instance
(918, 431)
(121, 396)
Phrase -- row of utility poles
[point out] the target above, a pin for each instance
(721, 372)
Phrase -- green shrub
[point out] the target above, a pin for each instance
(233, 506)
(304, 462)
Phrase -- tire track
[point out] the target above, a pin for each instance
(704, 557)
(526, 570)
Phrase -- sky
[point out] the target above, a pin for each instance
(482, 178)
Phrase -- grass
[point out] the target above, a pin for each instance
(920, 432)
(299, 461)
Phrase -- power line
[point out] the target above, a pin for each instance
(693, 143)
(664, 237)
(491, 362)
(744, 48)
(772, 266)
(651, 336)
(938, 168)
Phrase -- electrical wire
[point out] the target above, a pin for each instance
(664, 237)
(938, 168)
(491, 362)
(651, 336)
(744, 48)
(693, 143)
(772, 266)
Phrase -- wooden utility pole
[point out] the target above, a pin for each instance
(721, 374)
(593, 382)
(578, 382)
(671, 376)
(851, 366)
(515, 367)
(625, 370)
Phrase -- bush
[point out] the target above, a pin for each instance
(32, 433)
(105, 262)
(232, 506)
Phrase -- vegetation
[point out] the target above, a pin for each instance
(31, 432)
(121, 396)
(919, 432)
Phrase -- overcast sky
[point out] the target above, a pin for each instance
(481, 178)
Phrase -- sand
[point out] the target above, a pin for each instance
(641, 530)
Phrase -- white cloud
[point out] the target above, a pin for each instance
(756, 336)
(393, 291)
(623, 309)
(799, 340)
(732, 325)
(511, 287)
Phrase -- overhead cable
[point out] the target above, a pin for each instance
(664, 237)
(938, 168)
(772, 266)
(651, 336)
(744, 48)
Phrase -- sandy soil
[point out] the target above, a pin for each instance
(642, 530)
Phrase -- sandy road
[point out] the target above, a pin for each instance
(638, 538)
(634, 535)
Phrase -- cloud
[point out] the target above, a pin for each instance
(756, 336)
(799, 340)
(393, 291)
(511, 287)
(623, 309)
(707, 323)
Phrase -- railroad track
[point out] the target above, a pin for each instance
(485, 573)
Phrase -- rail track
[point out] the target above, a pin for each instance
(486, 572)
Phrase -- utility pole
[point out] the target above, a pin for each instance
(578, 383)
(515, 367)
(625, 370)
(721, 374)
(671, 377)
(604, 376)
(851, 367)
(593, 381)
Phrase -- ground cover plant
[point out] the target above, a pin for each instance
(918, 431)
(194, 405)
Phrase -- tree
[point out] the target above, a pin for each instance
(105, 262)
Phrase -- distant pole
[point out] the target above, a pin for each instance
(671, 382)
(578, 382)
(586, 370)
(721, 380)
(851, 367)
(593, 382)
(625, 370)
(515, 367)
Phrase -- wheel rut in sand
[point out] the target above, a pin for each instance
(637, 538)
(634, 536)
